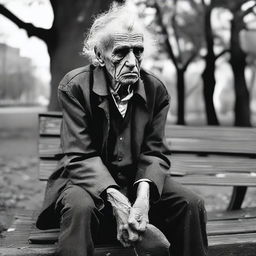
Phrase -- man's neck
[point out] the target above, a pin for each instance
(116, 87)
(110, 81)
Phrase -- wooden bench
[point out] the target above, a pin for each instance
(212, 156)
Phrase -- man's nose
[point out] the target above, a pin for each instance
(131, 60)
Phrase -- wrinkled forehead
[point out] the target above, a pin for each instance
(127, 39)
(122, 37)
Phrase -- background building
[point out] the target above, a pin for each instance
(18, 83)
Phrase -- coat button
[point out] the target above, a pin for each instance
(121, 178)
(120, 158)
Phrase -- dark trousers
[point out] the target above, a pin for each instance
(180, 215)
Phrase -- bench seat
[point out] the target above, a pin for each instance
(208, 156)
(228, 231)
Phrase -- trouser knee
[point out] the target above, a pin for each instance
(195, 204)
(76, 202)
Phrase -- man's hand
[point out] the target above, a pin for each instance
(121, 209)
(138, 218)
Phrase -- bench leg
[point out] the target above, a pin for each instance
(237, 198)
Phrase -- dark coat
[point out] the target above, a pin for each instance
(83, 96)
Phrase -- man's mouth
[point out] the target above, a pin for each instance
(130, 74)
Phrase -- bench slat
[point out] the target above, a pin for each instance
(217, 227)
(214, 228)
(212, 164)
(211, 145)
(212, 132)
(232, 215)
(229, 238)
(233, 239)
(50, 146)
(196, 170)
(201, 180)
(187, 164)
(49, 125)
(223, 227)
(227, 180)
(209, 139)
(50, 250)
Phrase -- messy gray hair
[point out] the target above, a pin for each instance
(125, 17)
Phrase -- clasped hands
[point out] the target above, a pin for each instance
(131, 220)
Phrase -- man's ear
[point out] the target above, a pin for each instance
(99, 56)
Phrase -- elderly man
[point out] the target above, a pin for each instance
(113, 178)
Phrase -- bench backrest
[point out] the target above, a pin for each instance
(211, 139)
(187, 143)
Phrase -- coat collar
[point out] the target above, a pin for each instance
(140, 90)
(99, 82)
(100, 86)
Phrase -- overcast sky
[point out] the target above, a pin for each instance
(40, 14)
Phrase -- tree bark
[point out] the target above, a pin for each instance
(209, 71)
(65, 38)
(181, 96)
(71, 20)
(238, 64)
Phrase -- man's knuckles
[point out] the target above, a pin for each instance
(142, 227)
(133, 237)
(134, 225)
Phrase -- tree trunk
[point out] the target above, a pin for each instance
(71, 20)
(238, 63)
(181, 96)
(209, 71)
(65, 39)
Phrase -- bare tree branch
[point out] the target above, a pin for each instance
(30, 28)
(165, 32)
(250, 29)
(249, 10)
(203, 3)
(221, 53)
(189, 60)
(176, 35)
(252, 81)
(236, 5)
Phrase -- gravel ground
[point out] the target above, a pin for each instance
(19, 187)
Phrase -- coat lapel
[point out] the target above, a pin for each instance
(140, 115)
(104, 105)
(101, 103)
(140, 119)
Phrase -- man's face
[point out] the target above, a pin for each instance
(123, 57)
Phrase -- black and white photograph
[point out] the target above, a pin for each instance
(127, 127)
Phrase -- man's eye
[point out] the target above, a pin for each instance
(120, 52)
(138, 51)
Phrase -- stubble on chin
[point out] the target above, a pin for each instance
(125, 80)
(128, 81)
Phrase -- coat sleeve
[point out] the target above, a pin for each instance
(84, 166)
(152, 163)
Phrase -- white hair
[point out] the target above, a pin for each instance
(117, 14)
